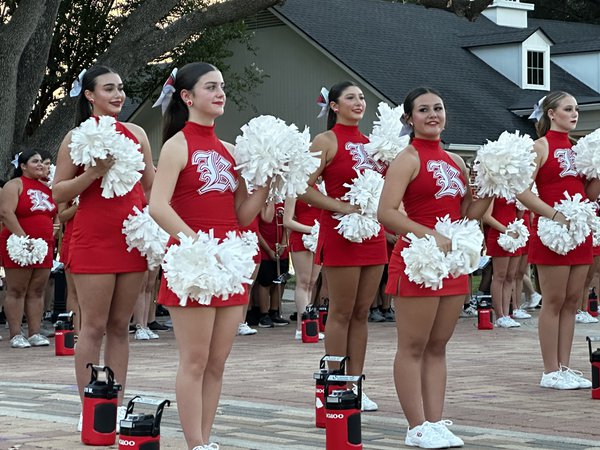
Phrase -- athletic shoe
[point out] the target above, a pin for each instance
(169, 323)
(590, 318)
(557, 380)
(47, 330)
(140, 333)
(151, 334)
(298, 335)
(19, 341)
(131, 328)
(502, 322)
(265, 322)
(512, 323)
(293, 316)
(576, 376)
(376, 316)
(157, 326)
(471, 311)
(425, 436)
(279, 321)
(80, 423)
(161, 310)
(245, 330)
(121, 414)
(211, 446)
(582, 317)
(520, 314)
(37, 340)
(366, 403)
(389, 315)
(442, 428)
(534, 301)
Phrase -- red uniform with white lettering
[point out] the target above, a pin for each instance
(97, 243)
(437, 190)
(35, 212)
(204, 197)
(306, 215)
(332, 248)
(504, 212)
(527, 222)
(555, 177)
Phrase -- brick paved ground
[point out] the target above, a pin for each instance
(493, 394)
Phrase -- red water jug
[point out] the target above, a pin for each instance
(64, 335)
(484, 313)
(320, 385)
(595, 360)
(593, 303)
(100, 398)
(141, 431)
(342, 413)
(310, 326)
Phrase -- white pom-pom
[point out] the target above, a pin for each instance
(512, 244)
(504, 167)
(268, 148)
(51, 175)
(310, 239)
(595, 225)
(385, 141)
(425, 263)
(562, 239)
(587, 154)
(99, 139)
(467, 242)
(143, 233)
(357, 227)
(202, 268)
(26, 251)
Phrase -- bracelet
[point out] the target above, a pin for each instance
(554, 215)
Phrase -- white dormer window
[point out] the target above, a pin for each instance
(535, 62)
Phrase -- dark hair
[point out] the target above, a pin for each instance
(177, 112)
(45, 154)
(2, 183)
(334, 95)
(88, 83)
(23, 158)
(551, 101)
(409, 101)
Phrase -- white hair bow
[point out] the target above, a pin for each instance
(167, 92)
(323, 102)
(15, 162)
(538, 112)
(77, 84)
(406, 127)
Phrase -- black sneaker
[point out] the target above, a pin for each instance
(157, 326)
(131, 328)
(294, 317)
(265, 322)
(278, 321)
(161, 310)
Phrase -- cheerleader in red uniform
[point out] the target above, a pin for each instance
(561, 277)
(523, 282)
(353, 270)
(299, 217)
(197, 188)
(27, 209)
(107, 276)
(504, 263)
(431, 183)
(66, 212)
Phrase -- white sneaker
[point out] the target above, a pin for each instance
(469, 312)
(502, 322)
(557, 380)
(245, 330)
(534, 301)
(151, 334)
(520, 314)
(37, 340)
(211, 446)
(582, 317)
(140, 333)
(121, 414)
(576, 376)
(512, 323)
(590, 318)
(80, 423)
(425, 436)
(368, 404)
(19, 341)
(442, 428)
(298, 336)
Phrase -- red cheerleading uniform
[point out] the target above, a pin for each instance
(504, 212)
(35, 212)
(204, 197)
(306, 215)
(66, 241)
(437, 190)
(556, 176)
(97, 244)
(332, 248)
(527, 222)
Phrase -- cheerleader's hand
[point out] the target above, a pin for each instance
(444, 244)
(347, 208)
(560, 218)
(102, 166)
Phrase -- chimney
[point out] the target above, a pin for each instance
(508, 13)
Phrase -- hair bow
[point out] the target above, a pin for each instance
(167, 92)
(538, 112)
(323, 102)
(406, 127)
(15, 162)
(77, 84)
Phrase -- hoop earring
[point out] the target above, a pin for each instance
(189, 103)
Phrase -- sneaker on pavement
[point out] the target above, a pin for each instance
(151, 334)
(389, 315)
(590, 318)
(581, 317)
(140, 333)
(80, 423)
(211, 446)
(502, 322)
(471, 311)
(245, 330)
(265, 322)
(19, 341)
(556, 380)
(511, 322)
(279, 321)
(157, 326)
(534, 301)
(37, 340)
(376, 316)
(169, 323)
(442, 428)
(298, 336)
(425, 436)
(121, 414)
(520, 314)
(576, 376)
(47, 330)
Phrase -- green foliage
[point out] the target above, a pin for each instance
(567, 10)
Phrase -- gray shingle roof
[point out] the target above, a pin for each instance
(503, 36)
(397, 47)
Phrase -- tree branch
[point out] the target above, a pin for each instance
(471, 9)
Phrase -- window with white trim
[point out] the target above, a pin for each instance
(535, 68)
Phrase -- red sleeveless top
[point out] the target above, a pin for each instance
(204, 197)
(557, 175)
(35, 212)
(332, 248)
(437, 190)
(306, 215)
(504, 212)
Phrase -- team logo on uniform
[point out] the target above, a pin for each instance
(362, 158)
(566, 161)
(215, 171)
(447, 178)
(40, 201)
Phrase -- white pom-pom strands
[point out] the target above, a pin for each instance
(26, 251)
(385, 142)
(504, 167)
(425, 263)
(467, 242)
(514, 237)
(99, 139)
(203, 267)
(310, 240)
(587, 154)
(144, 234)
(268, 149)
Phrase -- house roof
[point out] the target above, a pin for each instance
(503, 36)
(397, 47)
